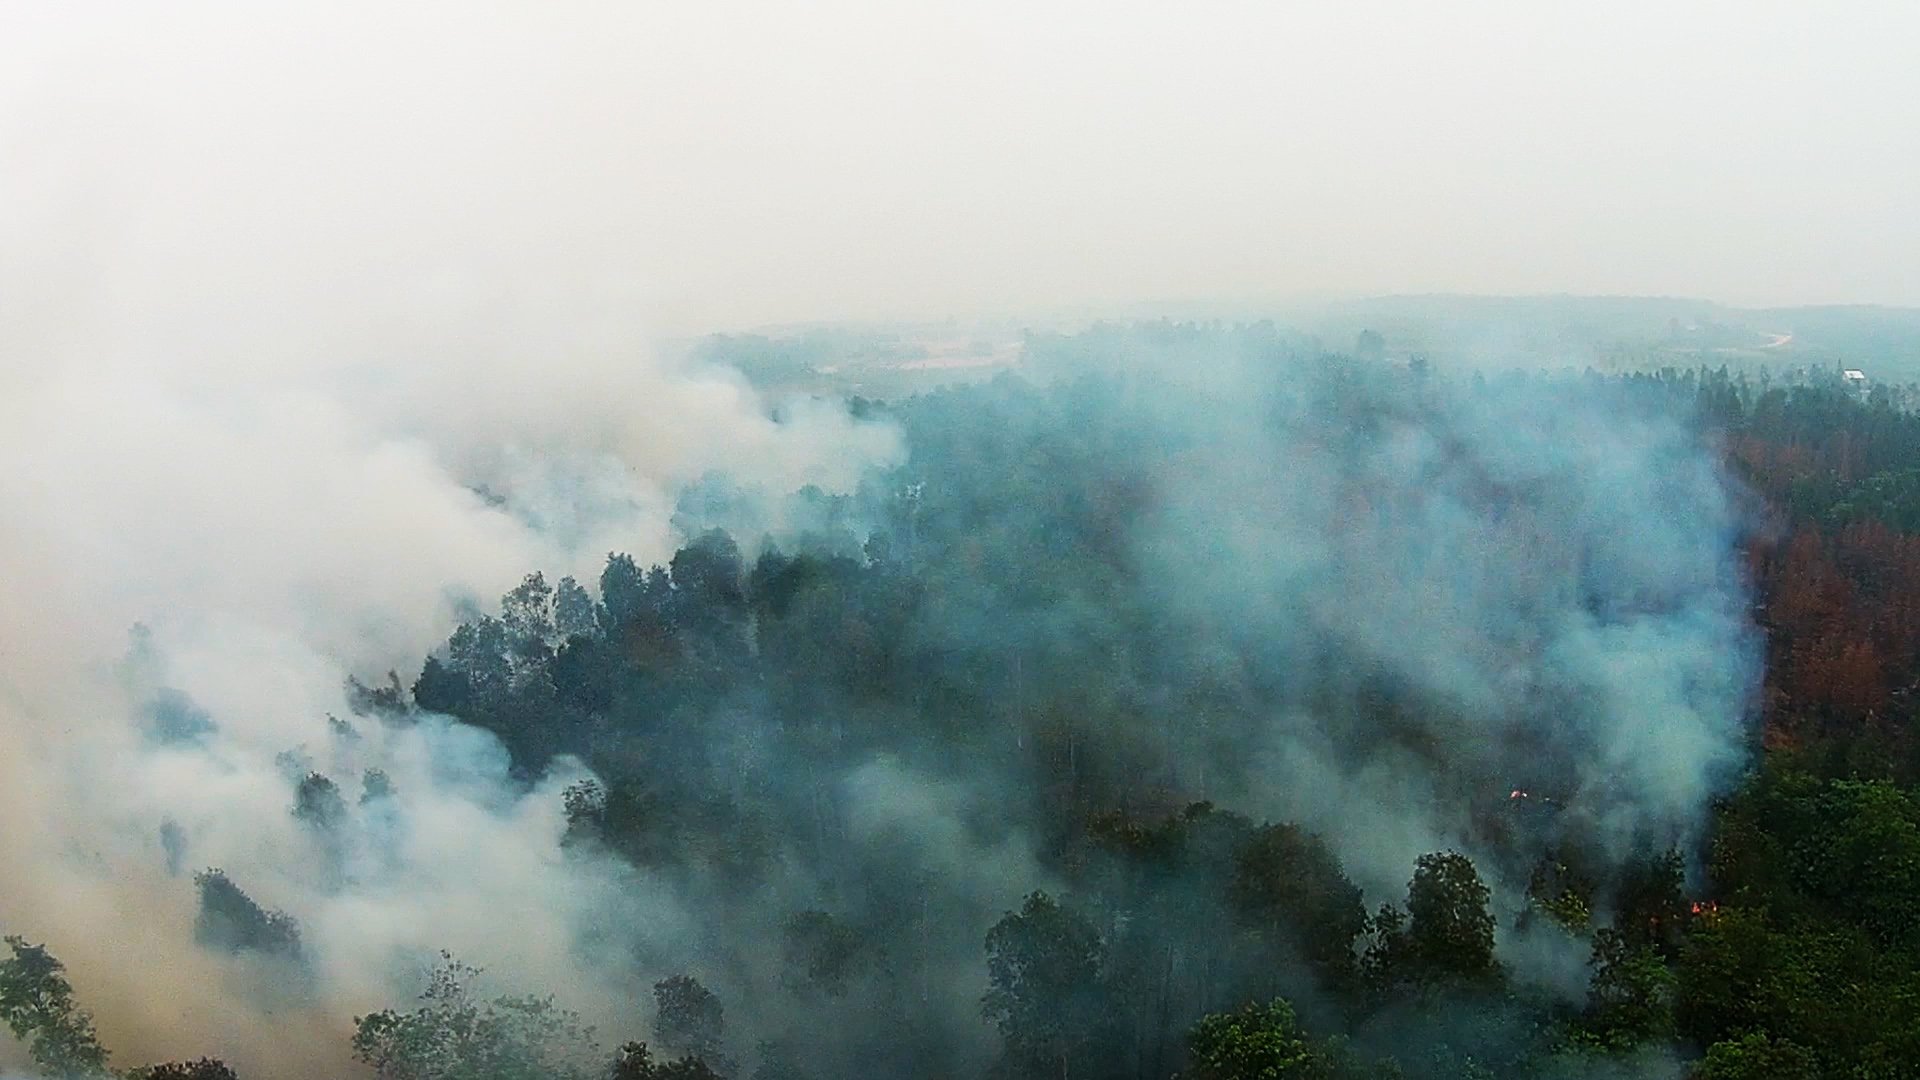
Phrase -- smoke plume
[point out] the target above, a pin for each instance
(305, 358)
(301, 354)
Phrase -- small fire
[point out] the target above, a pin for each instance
(1705, 907)
(1517, 794)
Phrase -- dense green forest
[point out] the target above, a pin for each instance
(1197, 705)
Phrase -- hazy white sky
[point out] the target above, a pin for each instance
(707, 163)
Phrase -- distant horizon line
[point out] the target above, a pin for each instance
(1254, 309)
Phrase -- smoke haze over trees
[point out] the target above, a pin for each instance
(1202, 674)
(415, 664)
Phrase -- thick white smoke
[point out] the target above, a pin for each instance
(316, 329)
(312, 331)
(1549, 569)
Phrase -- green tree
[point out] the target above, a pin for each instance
(453, 1036)
(526, 614)
(635, 1062)
(1263, 1042)
(1288, 885)
(1560, 892)
(1445, 935)
(479, 651)
(623, 593)
(375, 785)
(1825, 987)
(1630, 999)
(389, 702)
(230, 919)
(36, 1002)
(317, 802)
(688, 1018)
(442, 688)
(1383, 964)
(1867, 862)
(1449, 923)
(1652, 904)
(711, 570)
(201, 1069)
(1757, 1057)
(1043, 969)
(573, 611)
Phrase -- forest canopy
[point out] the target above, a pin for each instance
(1192, 704)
